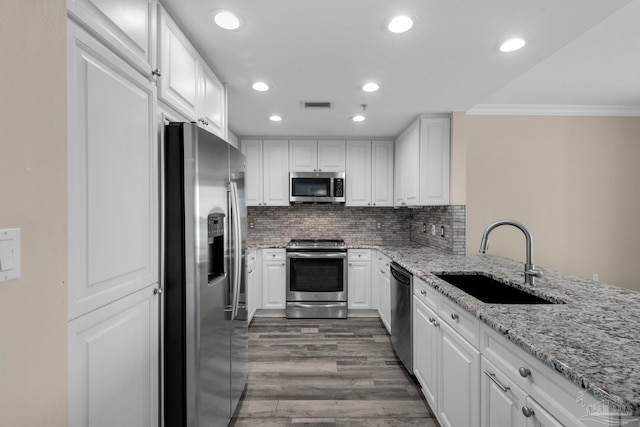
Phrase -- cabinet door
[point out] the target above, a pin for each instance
(212, 103)
(398, 170)
(434, 161)
(113, 176)
(358, 173)
(501, 401)
(128, 27)
(254, 283)
(459, 397)
(273, 284)
(331, 156)
(303, 155)
(385, 302)
(426, 350)
(113, 364)
(411, 165)
(179, 68)
(381, 173)
(359, 284)
(275, 172)
(252, 149)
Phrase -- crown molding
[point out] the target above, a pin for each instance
(554, 110)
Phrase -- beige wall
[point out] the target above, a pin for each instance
(573, 181)
(33, 309)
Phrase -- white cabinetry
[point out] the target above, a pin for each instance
(384, 290)
(127, 27)
(113, 364)
(186, 82)
(446, 364)
(422, 163)
(359, 278)
(267, 179)
(369, 173)
(274, 278)
(254, 282)
(311, 155)
(113, 237)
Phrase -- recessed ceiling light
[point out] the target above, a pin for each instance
(358, 118)
(370, 87)
(400, 24)
(260, 86)
(226, 19)
(512, 44)
(275, 118)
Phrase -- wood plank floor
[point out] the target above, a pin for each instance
(332, 372)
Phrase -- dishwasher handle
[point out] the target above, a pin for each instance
(400, 276)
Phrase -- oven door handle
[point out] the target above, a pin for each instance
(316, 255)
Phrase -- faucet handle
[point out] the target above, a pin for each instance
(533, 272)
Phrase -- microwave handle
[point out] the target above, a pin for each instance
(331, 187)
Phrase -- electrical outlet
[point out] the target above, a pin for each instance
(433, 229)
(252, 225)
(596, 278)
(424, 227)
(378, 226)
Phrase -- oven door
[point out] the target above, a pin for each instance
(316, 276)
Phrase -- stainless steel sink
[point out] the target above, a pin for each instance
(489, 290)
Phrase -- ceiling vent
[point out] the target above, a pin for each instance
(317, 105)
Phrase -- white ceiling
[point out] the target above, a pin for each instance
(582, 54)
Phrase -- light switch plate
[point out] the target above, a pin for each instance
(9, 254)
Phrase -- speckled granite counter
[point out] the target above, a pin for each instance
(593, 339)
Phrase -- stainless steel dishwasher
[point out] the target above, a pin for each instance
(401, 314)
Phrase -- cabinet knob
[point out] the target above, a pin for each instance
(273, 255)
(436, 323)
(250, 271)
(283, 264)
(454, 316)
(527, 412)
(423, 292)
(524, 372)
(431, 319)
(350, 265)
(157, 291)
(156, 72)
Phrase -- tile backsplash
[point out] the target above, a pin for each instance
(279, 224)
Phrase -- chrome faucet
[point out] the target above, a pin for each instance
(530, 272)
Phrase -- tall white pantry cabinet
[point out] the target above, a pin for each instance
(113, 50)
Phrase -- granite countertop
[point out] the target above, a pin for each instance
(592, 339)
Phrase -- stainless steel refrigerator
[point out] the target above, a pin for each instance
(205, 326)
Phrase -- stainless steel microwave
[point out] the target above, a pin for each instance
(316, 187)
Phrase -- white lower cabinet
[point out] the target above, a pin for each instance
(253, 283)
(446, 365)
(113, 363)
(383, 294)
(274, 278)
(501, 400)
(359, 279)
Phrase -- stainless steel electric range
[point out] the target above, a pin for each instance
(316, 279)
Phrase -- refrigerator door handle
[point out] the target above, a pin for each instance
(237, 240)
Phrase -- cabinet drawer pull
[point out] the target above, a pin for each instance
(493, 378)
(436, 323)
(454, 316)
(524, 372)
(527, 412)
(431, 319)
(423, 292)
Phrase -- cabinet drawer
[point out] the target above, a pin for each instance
(426, 293)
(273, 254)
(461, 321)
(562, 398)
(251, 257)
(359, 254)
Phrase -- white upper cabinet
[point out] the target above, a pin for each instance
(128, 27)
(422, 163)
(311, 156)
(382, 173)
(112, 175)
(369, 173)
(358, 173)
(267, 179)
(179, 68)
(434, 161)
(187, 83)
(212, 102)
